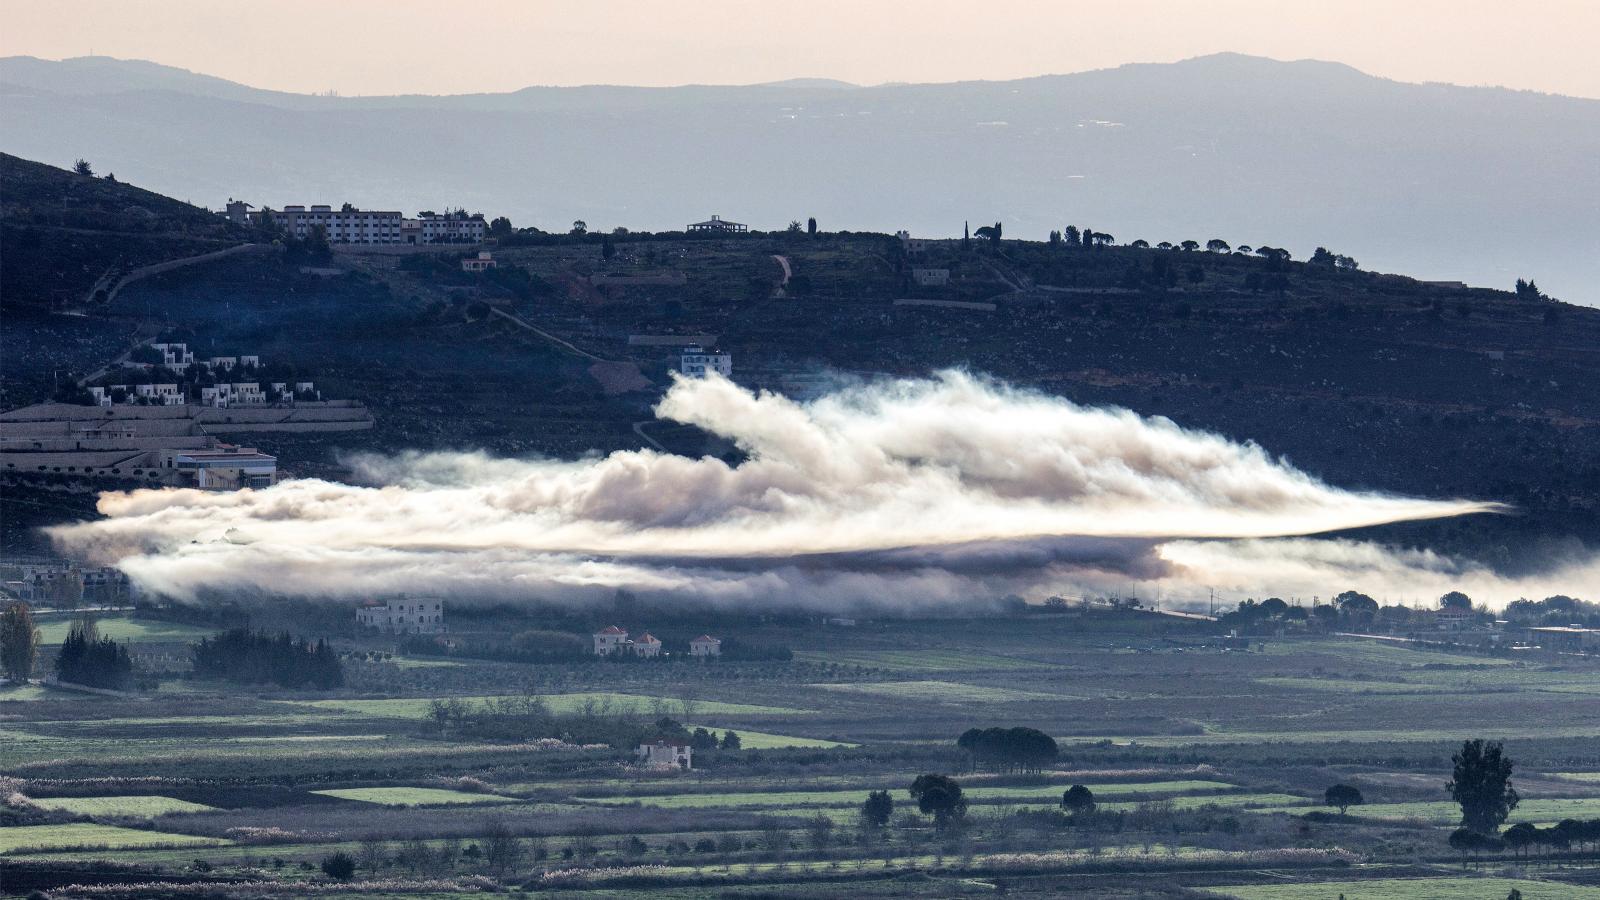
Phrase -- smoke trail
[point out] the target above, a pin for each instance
(929, 492)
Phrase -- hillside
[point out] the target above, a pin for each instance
(1368, 380)
(61, 232)
(1476, 184)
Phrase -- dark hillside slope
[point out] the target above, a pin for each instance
(61, 232)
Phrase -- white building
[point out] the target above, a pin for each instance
(647, 646)
(705, 645)
(159, 394)
(912, 246)
(696, 361)
(931, 277)
(664, 752)
(609, 640)
(176, 357)
(718, 224)
(484, 262)
(225, 467)
(403, 616)
(342, 226)
(449, 228)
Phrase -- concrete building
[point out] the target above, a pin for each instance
(158, 394)
(912, 247)
(342, 226)
(176, 357)
(931, 277)
(667, 752)
(717, 224)
(483, 263)
(403, 616)
(609, 640)
(705, 645)
(447, 228)
(224, 467)
(1566, 638)
(696, 361)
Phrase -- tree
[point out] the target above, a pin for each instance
(1010, 749)
(1356, 605)
(502, 849)
(1190, 246)
(1078, 800)
(580, 227)
(811, 226)
(339, 866)
(876, 809)
(794, 226)
(500, 227)
(82, 167)
(1456, 600)
(730, 740)
(1070, 235)
(1140, 244)
(1274, 606)
(939, 796)
(1218, 245)
(19, 642)
(607, 249)
(1520, 836)
(1343, 796)
(820, 830)
(372, 853)
(1481, 783)
(88, 659)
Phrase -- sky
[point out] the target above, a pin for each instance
(404, 46)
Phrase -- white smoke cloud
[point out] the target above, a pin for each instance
(937, 492)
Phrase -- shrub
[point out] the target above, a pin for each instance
(339, 866)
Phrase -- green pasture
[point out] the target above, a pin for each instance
(766, 740)
(1593, 777)
(21, 692)
(1047, 795)
(54, 630)
(918, 660)
(1445, 812)
(1363, 653)
(417, 707)
(25, 838)
(1461, 888)
(939, 691)
(144, 806)
(414, 796)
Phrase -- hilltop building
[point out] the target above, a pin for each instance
(696, 361)
(911, 246)
(667, 752)
(403, 616)
(365, 227)
(718, 225)
(482, 263)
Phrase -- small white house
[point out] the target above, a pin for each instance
(664, 752)
(609, 640)
(931, 277)
(697, 362)
(484, 262)
(705, 645)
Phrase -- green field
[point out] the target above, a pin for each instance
(939, 691)
(764, 740)
(1445, 812)
(414, 796)
(1046, 795)
(917, 660)
(54, 630)
(143, 806)
(86, 834)
(417, 707)
(1412, 889)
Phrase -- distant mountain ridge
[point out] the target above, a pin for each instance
(1478, 184)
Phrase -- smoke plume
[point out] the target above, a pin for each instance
(927, 493)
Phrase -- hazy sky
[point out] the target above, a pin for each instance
(403, 46)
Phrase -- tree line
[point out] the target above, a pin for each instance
(249, 657)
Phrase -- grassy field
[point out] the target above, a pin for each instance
(90, 835)
(1045, 796)
(932, 660)
(53, 630)
(940, 691)
(1411, 889)
(417, 707)
(143, 806)
(414, 796)
(765, 740)
(1444, 812)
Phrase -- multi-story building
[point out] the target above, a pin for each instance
(224, 467)
(176, 357)
(347, 225)
(697, 361)
(403, 615)
(447, 228)
(157, 394)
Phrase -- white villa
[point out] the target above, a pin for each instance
(403, 616)
(705, 645)
(612, 639)
(667, 752)
(697, 361)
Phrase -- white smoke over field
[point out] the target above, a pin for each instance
(929, 492)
